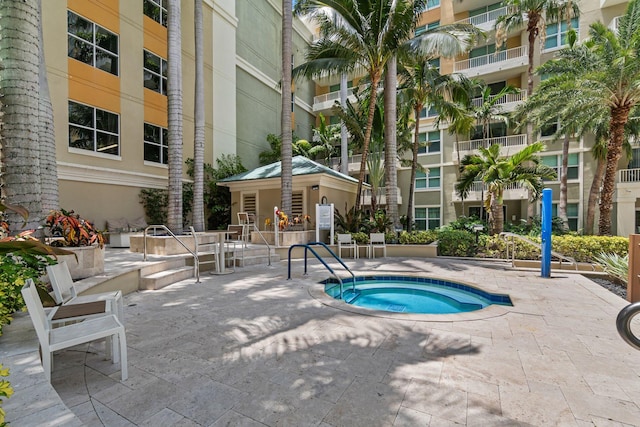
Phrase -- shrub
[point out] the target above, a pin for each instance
(587, 248)
(75, 230)
(5, 391)
(456, 243)
(14, 271)
(360, 238)
(418, 237)
(615, 265)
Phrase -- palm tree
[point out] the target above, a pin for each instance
(361, 35)
(46, 135)
(174, 101)
(19, 76)
(391, 143)
(421, 86)
(605, 71)
(324, 138)
(488, 110)
(534, 15)
(496, 172)
(198, 141)
(286, 178)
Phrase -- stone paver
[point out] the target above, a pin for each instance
(254, 349)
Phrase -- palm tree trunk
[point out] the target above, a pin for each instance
(414, 166)
(19, 75)
(46, 135)
(199, 137)
(286, 178)
(562, 203)
(532, 28)
(391, 146)
(174, 101)
(498, 215)
(344, 140)
(594, 193)
(619, 117)
(375, 80)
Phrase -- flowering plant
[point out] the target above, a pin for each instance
(284, 221)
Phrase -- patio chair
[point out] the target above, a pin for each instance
(53, 339)
(248, 222)
(346, 242)
(210, 250)
(376, 241)
(65, 292)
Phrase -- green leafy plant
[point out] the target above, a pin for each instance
(615, 265)
(380, 223)
(423, 237)
(156, 200)
(5, 391)
(353, 221)
(75, 230)
(456, 243)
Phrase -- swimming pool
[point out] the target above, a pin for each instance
(407, 294)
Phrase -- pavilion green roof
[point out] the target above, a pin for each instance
(300, 165)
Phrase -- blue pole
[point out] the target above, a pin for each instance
(547, 195)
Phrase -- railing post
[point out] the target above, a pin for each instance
(633, 282)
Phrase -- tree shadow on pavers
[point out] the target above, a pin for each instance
(268, 352)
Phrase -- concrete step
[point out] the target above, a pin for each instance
(160, 279)
(254, 255)
(162, 266)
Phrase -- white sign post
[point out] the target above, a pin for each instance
(324, 221)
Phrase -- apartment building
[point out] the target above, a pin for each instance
(107, 69)
(435, 200)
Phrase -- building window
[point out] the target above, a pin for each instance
(432, 3)
(427, 218)
(555, 163)
(485, 9)
(336, 87)
(549, 130)
(428, 180)
(156, 144)
(423, 28)
(557, 33)
(634, 163)
(92, 44)
(155, 72)
(432, 112)
(156, 10)
(429, 142)
(572, 214)
(93, 129)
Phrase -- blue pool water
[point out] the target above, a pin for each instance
(405, 294)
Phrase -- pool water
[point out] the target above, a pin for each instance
(405, 294)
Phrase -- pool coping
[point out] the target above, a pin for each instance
(316, 290)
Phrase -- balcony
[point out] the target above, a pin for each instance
(504, 60)
(324, 102)
(381, 197)
(512, 143)
(478, 190)
(628, 175)
(508, 102)
(485, 21)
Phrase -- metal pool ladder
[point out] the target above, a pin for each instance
(307, 247)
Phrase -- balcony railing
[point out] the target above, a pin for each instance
(510, 98)
(503, 141)
(381, 197)
(485, 20)
(331, 96)
(629, 175)
(514, 191)
(504, 56)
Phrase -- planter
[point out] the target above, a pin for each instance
(89, 262)
(287, 238)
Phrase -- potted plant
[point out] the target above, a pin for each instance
(74, 233)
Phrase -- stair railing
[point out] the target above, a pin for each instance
(265, 242)
(307, 247)
(509, 238)
(196, 262)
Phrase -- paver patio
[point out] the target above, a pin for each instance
(252, 349)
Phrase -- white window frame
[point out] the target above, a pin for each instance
(560, 35)
(163, 79)
(420, 176)
(159, 4)
(95, 132)
(426, 219)
(93, 43)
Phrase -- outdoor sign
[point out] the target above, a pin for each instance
(324, 220)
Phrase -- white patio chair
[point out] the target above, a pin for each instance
(248, 222)
(54, 339)
(346, 242)
(376, 241)
(65, 292)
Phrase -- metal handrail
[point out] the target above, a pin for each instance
(623, 324)
(558, 255)
(196, 262)
(265, 242)
(307, 247)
